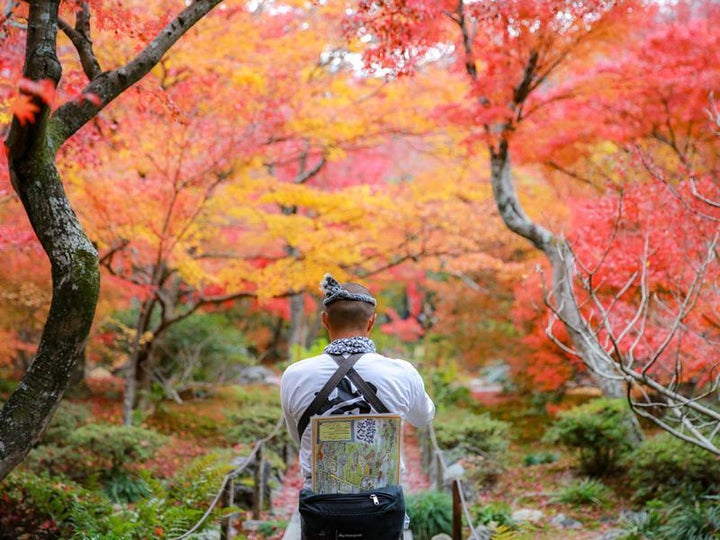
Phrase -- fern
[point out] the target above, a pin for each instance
(503, 532)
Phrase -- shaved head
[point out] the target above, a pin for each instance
(350, 315)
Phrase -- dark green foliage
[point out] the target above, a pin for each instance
(493, 515)
(430, 513)
(208, 341)
(477, 434)
(123, 487)
(444, 389)
(587, 491)
(205, 347)
(256, 421)
(63, 509)
(7, 387)
(665, 467)
(696, 521)
(102, 456)
(119, 446)
(643, 524)
(682, 519)
(600, 430)
(480, 441)
(68, 418)
(540, 458)
(174, 419)
(42, 505)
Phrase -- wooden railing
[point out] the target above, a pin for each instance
(432, 461)
(226, 493)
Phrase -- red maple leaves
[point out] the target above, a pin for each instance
(31, 96)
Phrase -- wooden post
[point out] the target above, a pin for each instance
(426, 448)
(438, 472)
(259, 488)
(456, 511)
(226, 527)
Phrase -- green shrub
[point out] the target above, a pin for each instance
(481, 471)
(493, 515)
(540, 458)
(444, 389)
(698, 521)
(664, 467)
(55, 505)
(477, 434)
(124, 487)
(192, 418)
(56, 460)
(255, 422)
(115, 446)
(42, 506)
(643, 524)
(209, 343)
(600, 430)
(101, 456)
(430, 513)
(68, 418)
(479, 441)
(587, 491)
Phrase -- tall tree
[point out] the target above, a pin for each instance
(509, 51)
(647, 249)
(36, 134)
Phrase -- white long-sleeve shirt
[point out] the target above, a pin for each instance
(398, 385)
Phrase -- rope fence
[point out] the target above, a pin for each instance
(434, 463)
(227, 487)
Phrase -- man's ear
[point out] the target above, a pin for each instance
(324, 318)
(371, 322)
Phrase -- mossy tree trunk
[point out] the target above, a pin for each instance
(31, 149)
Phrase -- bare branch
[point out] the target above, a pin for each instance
(80, 37)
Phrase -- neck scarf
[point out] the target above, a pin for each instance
(353, 345)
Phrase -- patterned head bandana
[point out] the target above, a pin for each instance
(334, 292)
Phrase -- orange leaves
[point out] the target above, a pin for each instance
(24, 109)
(25, 106)
(44, 89)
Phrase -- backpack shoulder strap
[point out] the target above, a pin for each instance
(367, 392)
(322, 395)
(364, 387)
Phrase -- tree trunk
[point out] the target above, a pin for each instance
(602, 367)
(132, 374)
(297, 318)
(74, 260)
(605, 373)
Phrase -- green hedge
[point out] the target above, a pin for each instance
(665, 467)
(600, 431)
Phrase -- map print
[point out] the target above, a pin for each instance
(353, 453)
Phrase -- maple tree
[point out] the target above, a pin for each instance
(508, 51)
(549, 66)
(30, 148)
(647, 269)
(257, 202)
